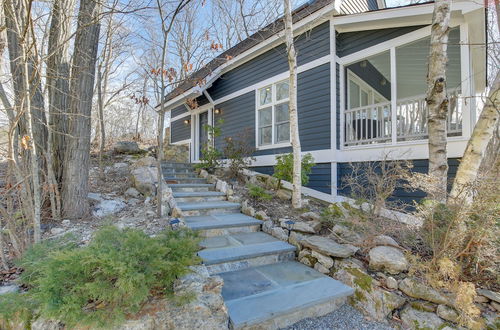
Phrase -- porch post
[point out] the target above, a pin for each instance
(333, 108)
(394, 101)
(342, 104)
(468, 111)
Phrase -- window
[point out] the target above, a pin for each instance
(272, 115)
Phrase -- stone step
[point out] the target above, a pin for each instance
(177, 166)
(278, 295)
(207, 208)
(180, 174)
(191, 187)
(243, 250)
(177, 179)
(223, 224)
(199, 196)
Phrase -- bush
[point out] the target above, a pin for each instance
(257, 192)
(283, 170)
(211, 157)
(113, 276)
(238, 151)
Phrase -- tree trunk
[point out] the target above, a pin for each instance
(76, 160)
(437, 99)
(58, 71)
(292, 106)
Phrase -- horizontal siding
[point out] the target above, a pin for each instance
(313, 100)
(400, 195)
(181, 109)
(310, 45)
(179, 130)
(320, 178)
(351, 42)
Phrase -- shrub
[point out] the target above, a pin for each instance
(238, 151)
(257, 192)
(211, 157)
(283, 170)
(113, 276)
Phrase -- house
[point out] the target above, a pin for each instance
(361, 88)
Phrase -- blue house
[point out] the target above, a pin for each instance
(361, 88)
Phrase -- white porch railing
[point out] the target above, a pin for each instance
(372, 124)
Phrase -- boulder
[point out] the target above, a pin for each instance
(283, 194)
(417, 289)
(329, 247)
(108, 207)
(145, 161)
(495, 305)
(310, 216)
(424, 306)
(415, 319)
(11, 288)
(145, 179)
(346, 234)
(127, 147)
(495, 296)
(246, 209)
(391, 283)
(261, 215)
(296, 238)
(267, 226)
(324, 260)
(447, 313)
(132, 192)
(94, 197)
(66, 223)
(385, 240)
(56, 231)
(310, 227)
(280, 233)
(320, 268)
(388, 258)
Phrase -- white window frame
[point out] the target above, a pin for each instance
(271, 105)
(363, 86)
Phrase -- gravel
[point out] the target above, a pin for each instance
(345, 317)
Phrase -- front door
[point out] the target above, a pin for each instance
(203, 133)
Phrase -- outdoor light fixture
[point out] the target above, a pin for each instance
(363, 64)
(175, 223)
(383, 82)
(218, 111)
(289, 226)
(187, 121)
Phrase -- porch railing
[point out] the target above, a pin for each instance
(373, 124)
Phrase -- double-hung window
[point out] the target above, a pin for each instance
(273, 120)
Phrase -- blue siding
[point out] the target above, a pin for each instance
(310, 45)
(178, 111)
(179, 130)
(313, 106)
(351, 42)
(400, 195)
(320, 178)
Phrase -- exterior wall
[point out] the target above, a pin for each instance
(320, 178)
(179, 130)
(313, 106)
(400, 195)
(310, 45)
(351, 42)
(181, 109)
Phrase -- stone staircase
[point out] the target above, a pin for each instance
(264, 287)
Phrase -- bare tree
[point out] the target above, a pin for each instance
(292, 107)
(437, 98)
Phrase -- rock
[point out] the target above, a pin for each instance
(203, 174)
(221, 186)
(495, 305)
(233, 199)
(305, 202)
(246, 209)
(271, 182)
(310, 216)
(329, 247)
(391, 283)
(447, 313)
(261, 215)
(145, 179)
(371, 300)
(346, 234)
(132, 192)
(66, 223)
(303, 253)
(385, 240)
(108, 207)
(495, 296)
(11, 288)
(387, 258)
(127, 147)
(324, 260)
(120, 168)
(424, 306)
(417, 289)
(415, 319)
(145, 162)
(296, 238)
(95, 197)
(320, 268)
(267, 226)
(481, 299)
(56, 231)
(280, 233)
(284, 194)
(311, 227)
(306, 261)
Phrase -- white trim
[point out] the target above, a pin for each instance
(333, 178)
(362, 86)
(394, 95)
(333, 87)
(181, 142)
(270, 80)
(466, 77)
(342, 105)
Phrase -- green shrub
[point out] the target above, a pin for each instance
(210, 157)
(113, 276)
(331, 215)
(283, 170)
(238, 151)
(257, 192)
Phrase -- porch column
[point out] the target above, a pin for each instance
(394, 101)
(468, 111)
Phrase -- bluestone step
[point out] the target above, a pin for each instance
(191, 186)
(199, 196)
(223, 224)
(277, 295)
(206, 208)
(178, 179)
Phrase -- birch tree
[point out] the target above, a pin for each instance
(437, 99)
(292, 106)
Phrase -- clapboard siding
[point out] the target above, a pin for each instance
(179, 130)
(320, 178)
(313, 99)
(310, 45)
(351, 42)
(181, 109)
(358, 6)
(400, 195)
